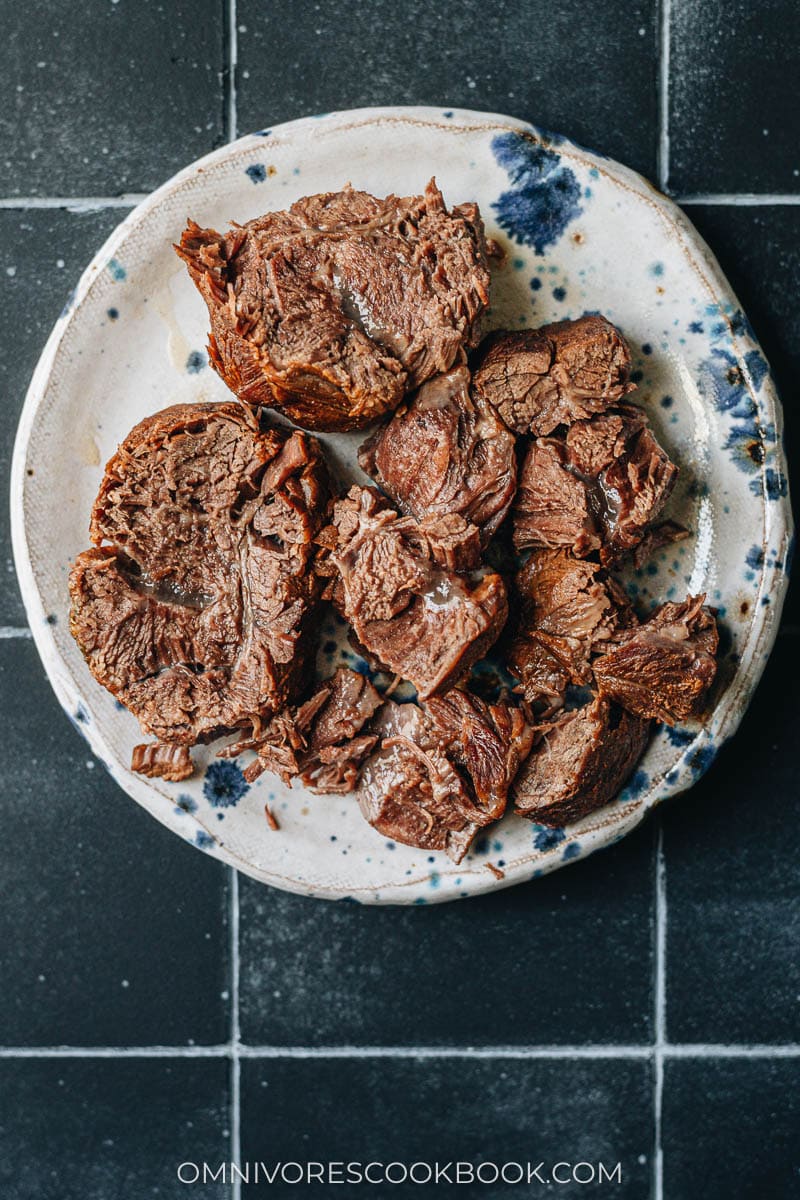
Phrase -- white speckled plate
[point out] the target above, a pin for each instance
(582, 234)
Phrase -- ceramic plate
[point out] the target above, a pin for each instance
(582, 234)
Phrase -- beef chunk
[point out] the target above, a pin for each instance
(162, 760)
(442, 771)
(538, 379)
(599, 486)
(664, 668)
(581, 762)
(193, 606)
(317, 741)
(553, 506)
(391, 578)
(333, 310)
(567, 612)
(446, 452)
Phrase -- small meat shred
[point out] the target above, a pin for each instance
(446, 451)
(412, 612)
(538, 379)
(333, 309)
(664, 668)
(158, 759)
(581, 761)
(317, 741)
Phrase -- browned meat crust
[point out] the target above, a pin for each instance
(333, 310)
(159, 759)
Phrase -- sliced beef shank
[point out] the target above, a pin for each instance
(333, 310)
(538, 379)
(664, 668)
(192, 608)
(391, 577)
(446, 451)
(581, 762)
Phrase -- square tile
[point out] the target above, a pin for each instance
(102, 99)
(90, 1129)
(759, 250)
(565, 959)
(586, 71)
(112, 930)
(734, 122)
(729, 1128)
(407, 1111)
(733, 879)
(42, 255)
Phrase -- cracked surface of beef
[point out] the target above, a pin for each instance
(446, 451)
(664, 668)
(391, 577)
(441, 771)
(598, 487)
(192, 607)
(332, 310)
(581, 762)
(320, 741)
(567, 612)
(538, 379)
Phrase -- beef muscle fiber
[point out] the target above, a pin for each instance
(192, 605)
(332, 310)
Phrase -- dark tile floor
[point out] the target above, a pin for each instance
(114, 934)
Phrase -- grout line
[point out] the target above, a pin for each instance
(686, 1050)
(74, 203)
(663, 92)
(14, 631)
(236, 1089)
(432, 1052)
(233, 47)
(114, 1051)
(660, 1010)
(743, 199)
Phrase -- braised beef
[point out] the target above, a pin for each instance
(441, 771)
(391, 578)
(538, 379)
(664, 668)
(567, 611)
(158, 759)
(193, 606)
(553, 506)
(664, 534)
(446, 451)
(333, 310)
(319, 740)
(598, 487)
(581, 762)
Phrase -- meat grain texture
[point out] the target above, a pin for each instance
(332, 310)
(192, 607)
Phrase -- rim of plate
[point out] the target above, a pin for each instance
(777, 526)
